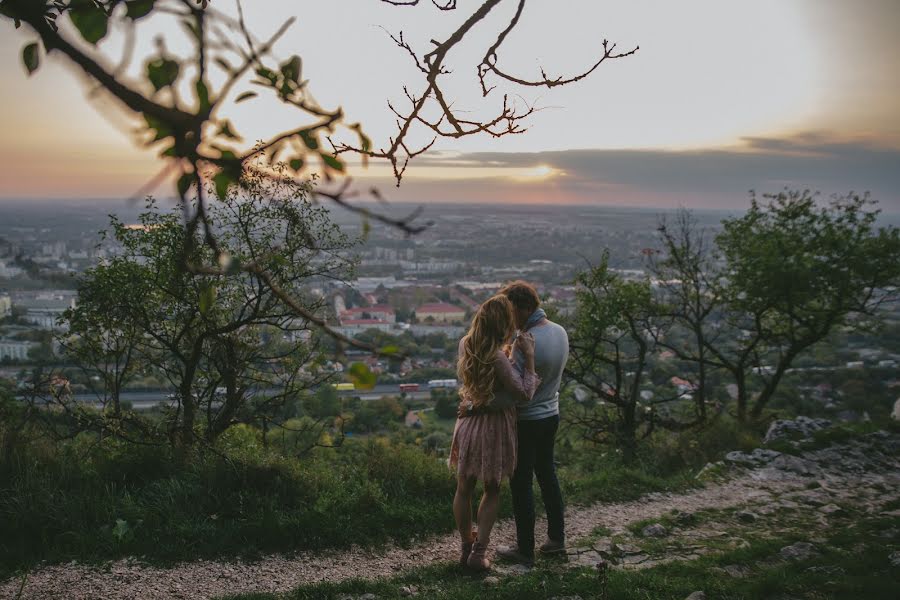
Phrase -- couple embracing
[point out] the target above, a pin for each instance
(508, 417)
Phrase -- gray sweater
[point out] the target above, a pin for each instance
(551, 351)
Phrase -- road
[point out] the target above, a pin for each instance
(148, 400)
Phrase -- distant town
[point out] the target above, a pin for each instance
(420, 289)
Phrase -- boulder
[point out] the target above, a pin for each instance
(799, 428)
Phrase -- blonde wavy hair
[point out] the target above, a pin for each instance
(492, 326)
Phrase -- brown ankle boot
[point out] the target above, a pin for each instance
(477, 560)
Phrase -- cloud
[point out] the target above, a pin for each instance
(718, 178)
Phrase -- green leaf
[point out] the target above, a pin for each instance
(267, 74)
(332, 162)
(291, 69)
(245, 96)
(222, 181)
(138, 8)
(362, 376)
(310, 140)
(389, 350)
(162, 72)
(89, 19)
(202, 95)
(31, 57)
(296, 164)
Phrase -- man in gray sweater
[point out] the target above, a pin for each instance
(537, 426)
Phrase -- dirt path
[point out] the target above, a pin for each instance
(782, 481)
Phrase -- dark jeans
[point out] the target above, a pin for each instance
(535, 455)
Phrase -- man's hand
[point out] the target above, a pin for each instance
(464, 409)
(467, 409)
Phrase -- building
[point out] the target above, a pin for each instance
(351, 327)
(5, 306)
(381, 312)
(9, 271)
(413, 420)
(45, 309)
(15, 350)
(440, 313)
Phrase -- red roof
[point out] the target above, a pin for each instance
(439, 307)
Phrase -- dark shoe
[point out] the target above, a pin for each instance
(513, 554)
(466, 548)
(477, 560)
(553, 547)
(465, 551)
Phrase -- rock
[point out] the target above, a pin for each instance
(757, 458)
(575, 597)
(711, 471)
(491, 581)
(798, 551)
(826, 569)
(696, 596)
(408, 590)
(736, 571)
(895, 558)
(654, 530)
(795, 464)
(832, 509)
(369, 596)
(895, 414)
(686, 518)
(848, 416)
(516, 569)
(745, 516)
(622, 549)
(585, 559)
(799, 428)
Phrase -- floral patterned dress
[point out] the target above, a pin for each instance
(484, 445)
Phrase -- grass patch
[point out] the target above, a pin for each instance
(140, 504)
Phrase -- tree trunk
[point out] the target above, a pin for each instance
(741, 396)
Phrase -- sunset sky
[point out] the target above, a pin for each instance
(722, 97)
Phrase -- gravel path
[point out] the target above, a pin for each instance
(205, 579)
(126, 579)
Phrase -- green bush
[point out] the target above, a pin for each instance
(109, 500)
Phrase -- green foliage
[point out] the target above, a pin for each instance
(89, 19)
(446, 404)
(31, 57)
(162, 72)
(95, 502)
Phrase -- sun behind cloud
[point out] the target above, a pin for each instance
(537, 173)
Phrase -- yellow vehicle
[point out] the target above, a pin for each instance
(344, 387)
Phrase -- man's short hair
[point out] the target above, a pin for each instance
(522, 295)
